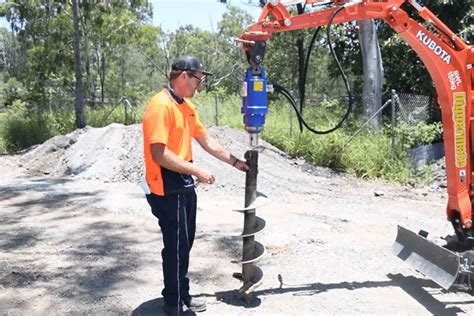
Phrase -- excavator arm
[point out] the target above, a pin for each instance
(447, 58)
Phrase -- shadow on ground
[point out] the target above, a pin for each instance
(153, 308)
(411, 285)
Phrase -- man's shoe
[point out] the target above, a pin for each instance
(172, 310)
(195, 304)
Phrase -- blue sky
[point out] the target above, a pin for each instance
(171, 14)
(205, 14)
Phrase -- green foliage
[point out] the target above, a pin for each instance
(226, 113)
(418, 135)
(12, 90)
(366, 156)
(3, 145)
(403, 69)
(40, 55)
(413, 76)
(124, 57)
(22, 128)
(119, 113)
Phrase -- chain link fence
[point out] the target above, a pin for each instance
(397, 108)
(412, 109)
(402, 112)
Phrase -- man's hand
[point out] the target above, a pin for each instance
(241, 165)
(203, 176)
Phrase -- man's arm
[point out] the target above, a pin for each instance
(213, 147)
(169, 160)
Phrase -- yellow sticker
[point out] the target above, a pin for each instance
(460, 128)
(258, 86)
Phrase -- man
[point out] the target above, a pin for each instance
(170, 122)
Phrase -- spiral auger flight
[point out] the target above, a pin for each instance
(251, 275)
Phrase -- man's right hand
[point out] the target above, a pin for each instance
(204, 176)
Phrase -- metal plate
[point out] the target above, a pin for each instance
(435, 262)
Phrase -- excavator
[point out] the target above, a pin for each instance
(449, 61)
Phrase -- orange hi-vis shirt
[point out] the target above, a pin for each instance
(173, 122)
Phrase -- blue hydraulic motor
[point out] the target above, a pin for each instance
(255, 105)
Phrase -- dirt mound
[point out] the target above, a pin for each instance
(111, 154)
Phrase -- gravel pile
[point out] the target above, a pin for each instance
(111, 154)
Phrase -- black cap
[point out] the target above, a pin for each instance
(188, 63)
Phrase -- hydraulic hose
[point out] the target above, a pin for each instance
(292, 101)
(343, 74)
(306, 65)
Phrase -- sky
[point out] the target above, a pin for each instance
(205, 14)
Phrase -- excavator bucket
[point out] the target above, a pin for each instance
(435, 262)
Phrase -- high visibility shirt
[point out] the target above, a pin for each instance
(173, 122)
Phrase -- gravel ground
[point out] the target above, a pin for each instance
(77, 236)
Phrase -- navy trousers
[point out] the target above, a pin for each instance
(176, 215)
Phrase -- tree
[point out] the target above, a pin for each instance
(232, 60)
(46, 35)
(79, 93)
(412, 76)
(373, 73)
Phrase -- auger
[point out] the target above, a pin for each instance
(251, 275)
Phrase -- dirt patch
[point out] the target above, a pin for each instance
(77, 237)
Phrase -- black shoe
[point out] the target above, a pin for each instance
(195, 304)
(172, 310)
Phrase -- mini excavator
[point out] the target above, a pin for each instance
(449, 61)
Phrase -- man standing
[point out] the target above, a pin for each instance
(170, 122)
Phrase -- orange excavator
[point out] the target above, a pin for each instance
(449, 61)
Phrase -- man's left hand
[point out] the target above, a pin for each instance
(241, 165)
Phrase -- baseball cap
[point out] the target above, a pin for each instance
(188, 63)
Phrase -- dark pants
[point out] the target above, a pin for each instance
(176, 215)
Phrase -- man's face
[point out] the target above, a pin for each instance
(194, 80)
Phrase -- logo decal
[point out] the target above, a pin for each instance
(460, 128)
(454, 79)
(431, 44)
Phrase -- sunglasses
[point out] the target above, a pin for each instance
(196, 77)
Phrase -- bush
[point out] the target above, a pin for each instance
(23, 128)
(419, 134)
